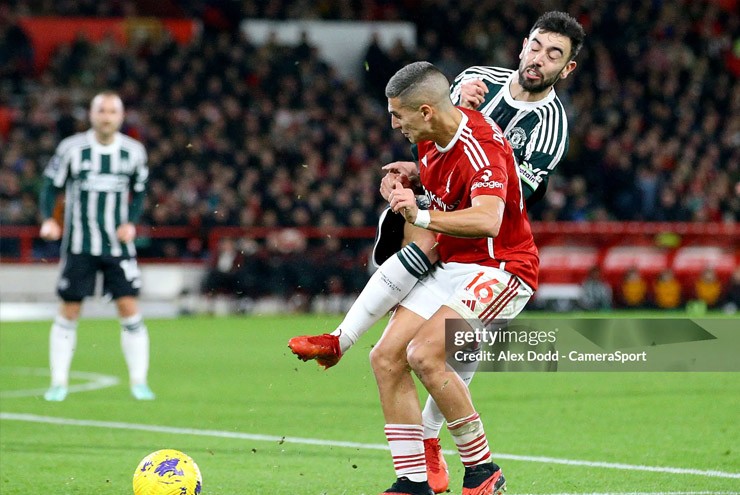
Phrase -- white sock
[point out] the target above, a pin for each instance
(407, 449)
(62, 344)
(135, 345)
(387, 287)
(431, 417)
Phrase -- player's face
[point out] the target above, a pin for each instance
(412, 123)
(106, 114)
(544, 61)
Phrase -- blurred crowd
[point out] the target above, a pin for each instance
(270, 135)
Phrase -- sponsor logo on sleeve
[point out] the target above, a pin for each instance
(490, 184)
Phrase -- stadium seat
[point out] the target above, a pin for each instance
(566, 264)
(697, 258)
(690, 261)
(648, 260)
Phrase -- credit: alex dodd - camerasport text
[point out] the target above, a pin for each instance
(550, 356)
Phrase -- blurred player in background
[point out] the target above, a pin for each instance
(104, 174)
(524, 104)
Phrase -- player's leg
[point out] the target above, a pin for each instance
(122, 279)
(422, 302)
(400, 403)
(390, 283)
(427, 357)
(494, 294)
(76, 281)
(432, 417)
(432, 421)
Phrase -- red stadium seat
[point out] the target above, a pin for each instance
(690, 261)
(566, 264)
(648, 260)
(697, 258)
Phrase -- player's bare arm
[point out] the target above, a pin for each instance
(482, 219)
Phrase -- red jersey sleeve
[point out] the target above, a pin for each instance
(493, 179)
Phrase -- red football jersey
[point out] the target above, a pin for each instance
(479, 160)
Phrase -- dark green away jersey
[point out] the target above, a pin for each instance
(537, 131)
(100, 182)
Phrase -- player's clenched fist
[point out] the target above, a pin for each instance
(126, 232)
(472, 93)
(387, 183)
(50, 230)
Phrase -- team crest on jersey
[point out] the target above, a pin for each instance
(517, 137)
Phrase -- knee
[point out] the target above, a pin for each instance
(423, 359)
(378, 359)
(70, 311)
(386, 361)
(127, 306)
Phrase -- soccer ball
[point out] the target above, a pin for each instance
(167, 472)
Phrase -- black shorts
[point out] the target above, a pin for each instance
(121, 276)
(388, 237)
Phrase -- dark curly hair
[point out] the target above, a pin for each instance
(564, 24)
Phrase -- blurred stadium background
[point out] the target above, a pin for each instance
(266, 128)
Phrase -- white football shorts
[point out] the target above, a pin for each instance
(475, 292)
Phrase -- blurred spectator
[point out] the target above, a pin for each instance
(708, 288)
(288, 274)
(667, 291)
(16, 51)
(596, 294)
(377, 67)
(222, 276)
(633, 289)
(250, 284)
(732, 300)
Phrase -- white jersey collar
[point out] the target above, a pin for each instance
(524, 105)
(104, 148)
(463, 123)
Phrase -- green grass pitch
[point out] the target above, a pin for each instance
(258, 421)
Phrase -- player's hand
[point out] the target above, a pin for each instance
(50, 230)
(472, 93)
(403, 168)
(403, 200)
(387, 183)
(126, 232)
